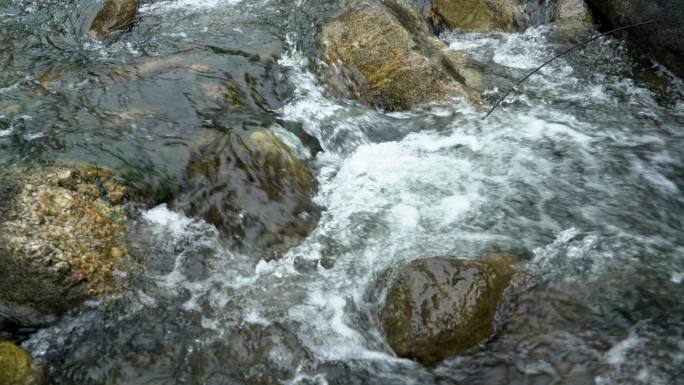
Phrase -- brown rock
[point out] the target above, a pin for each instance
(117, 252)
(479, 15)
(252, 187)
(383, 54)
(113, 15)
(440, 307)
(55, 242)
(115, 191)
(89, 189)
(67, 178)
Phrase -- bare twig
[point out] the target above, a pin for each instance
(515, 87)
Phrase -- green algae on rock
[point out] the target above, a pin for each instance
(440, 307)
(383, 54)
(252, 187)
(113, 15)
(62, 236)
(16, 366)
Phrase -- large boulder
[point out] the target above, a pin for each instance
(664, 41)
(383, 54)
(440, 307)
(479, 15)
(254, 188)
(113, 15)
(61, 236)
(16, 366)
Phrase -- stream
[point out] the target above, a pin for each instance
(580, 174)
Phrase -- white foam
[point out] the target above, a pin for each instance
(169, 220)
(309, 106)
(515, 50)
(330, 335)
(535, 128)
(571, 257)
(618, 353)
(652, 175)
(254, 316)
(185, 5)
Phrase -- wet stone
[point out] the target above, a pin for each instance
(113, 15)
(440, 307)
(383, 54)
(253, 188)
(59, 241)
(479, 15)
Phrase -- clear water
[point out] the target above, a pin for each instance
(580, 175)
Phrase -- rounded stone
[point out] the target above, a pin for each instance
(16, 366)
(440, 307)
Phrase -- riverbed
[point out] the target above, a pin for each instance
(579, 174)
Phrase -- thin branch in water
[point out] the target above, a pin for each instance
(515, 87)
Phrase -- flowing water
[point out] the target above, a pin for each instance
(580, 175)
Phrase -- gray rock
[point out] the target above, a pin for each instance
(663, 41)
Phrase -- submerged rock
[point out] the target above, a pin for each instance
(383, 54)
(663, 41)
(479, 15)
(253, 355)
(440, 307)
(16, 366)
(252, 187)
(113, 15)
(61, 236)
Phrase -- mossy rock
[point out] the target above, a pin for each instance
(113, 15)
(440, 307)
(383, 54)
(62, 233)
(479, 15)
(16, 366)
(253, 188)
